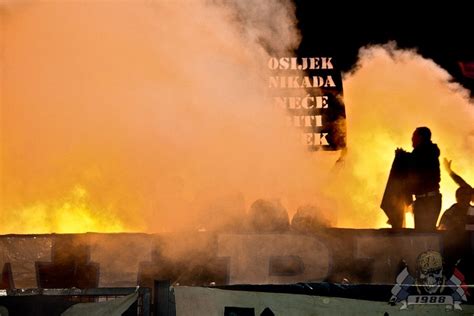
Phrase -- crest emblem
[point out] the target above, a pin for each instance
(430, 286)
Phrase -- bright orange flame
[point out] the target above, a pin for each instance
(409, 220)
(72, 214)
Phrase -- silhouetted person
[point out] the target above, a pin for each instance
(455, 218)
(457, 178)
(467, 193)
(415, 174)
(424, 177)
(456, 221)
(308, 219)
(268, 216)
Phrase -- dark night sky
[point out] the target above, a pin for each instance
(444, 34)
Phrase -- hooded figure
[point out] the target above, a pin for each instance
(424, 173)
(415, 174)
(423, 180)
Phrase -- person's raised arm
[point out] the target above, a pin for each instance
(460, 181)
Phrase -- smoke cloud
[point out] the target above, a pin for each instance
(138, 115)
(152, 116)
(390, 93)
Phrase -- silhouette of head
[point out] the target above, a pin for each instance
(463, 195)
(420, 135)
(268, 216)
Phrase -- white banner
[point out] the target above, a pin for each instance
(214, 302)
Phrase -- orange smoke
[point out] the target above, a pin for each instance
(390, 93)
(154, 109)
(138, 116)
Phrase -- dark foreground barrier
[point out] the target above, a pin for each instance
(205, 258)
